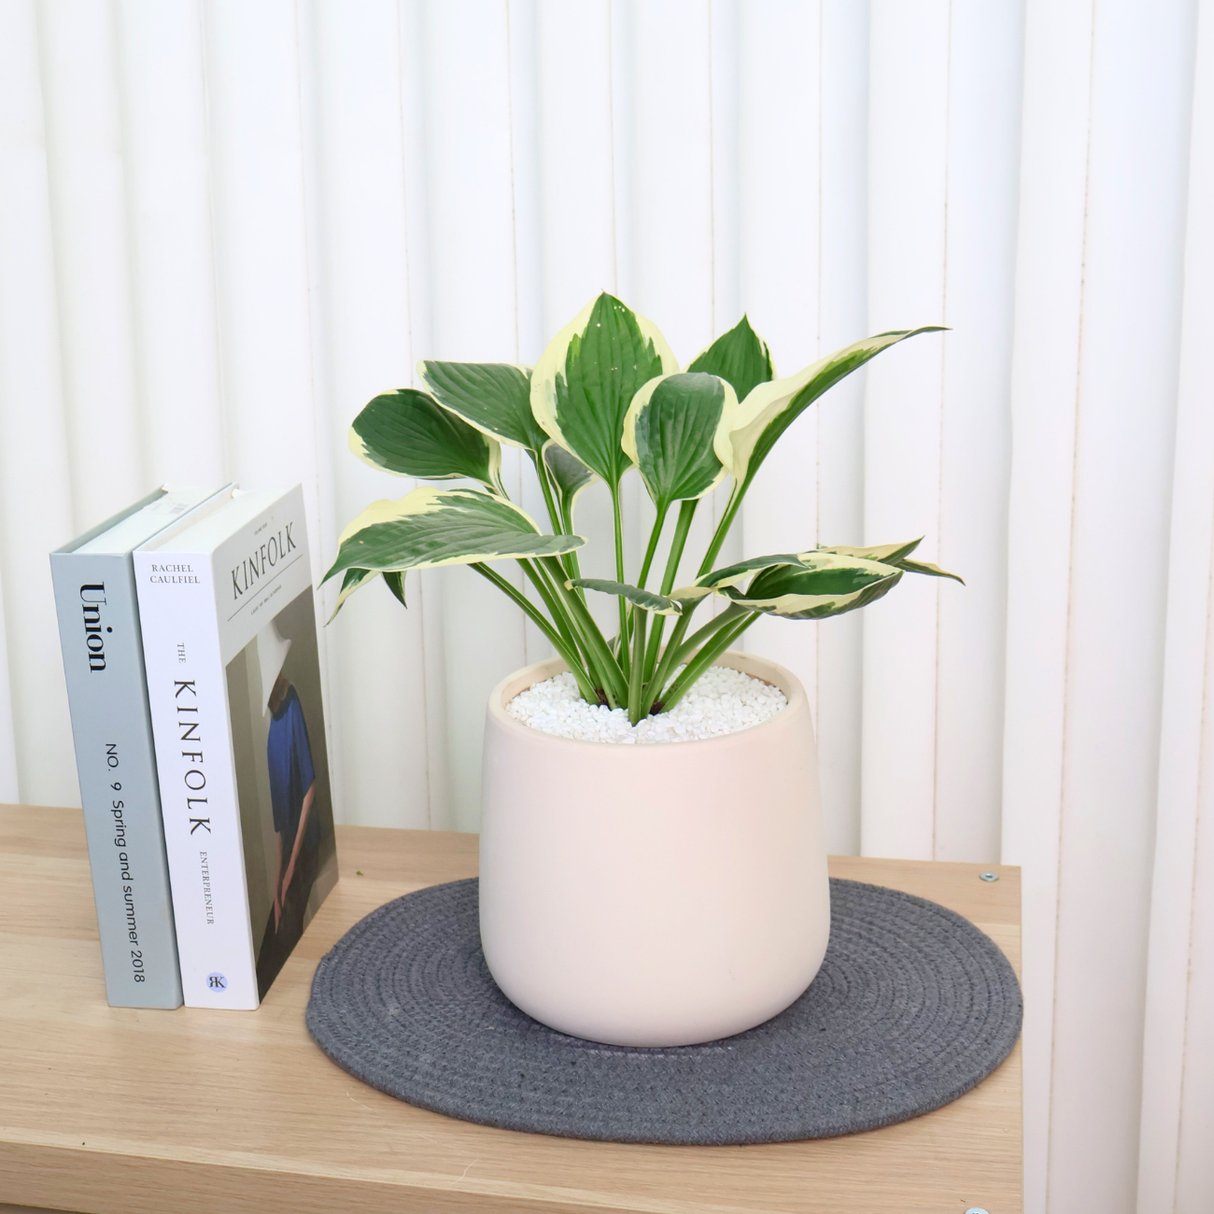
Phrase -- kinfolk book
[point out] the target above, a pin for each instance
(95, 601)
(230, 645)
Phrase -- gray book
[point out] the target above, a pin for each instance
(107, 696)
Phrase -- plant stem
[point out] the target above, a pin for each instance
(718, 536)
(653, 543)
(705, 658)
(662, 673)
(571, 656)
(693, 642)
(687, 511)
(614, 683)
(618, 521)
(559, 615)
(636, 685)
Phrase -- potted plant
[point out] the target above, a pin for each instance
(643, 895)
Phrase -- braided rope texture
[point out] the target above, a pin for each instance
(912, 1007)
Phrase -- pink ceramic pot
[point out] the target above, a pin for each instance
(653, 895)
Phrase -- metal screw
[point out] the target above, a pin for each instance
(983, 877)
(979, 1209)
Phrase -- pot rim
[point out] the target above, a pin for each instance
(748, 663)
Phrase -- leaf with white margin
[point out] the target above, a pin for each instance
(669, 430)
(356, 578)
(493, 397)
(410, 433)
(569, 475)
(823, 584)
(659, 604)
(740, 357)
(897, 554)
(431, 527)
(585, 380)
(744, 440)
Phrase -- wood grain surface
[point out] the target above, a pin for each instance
(128, 1111)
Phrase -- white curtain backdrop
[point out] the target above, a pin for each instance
(224, 226)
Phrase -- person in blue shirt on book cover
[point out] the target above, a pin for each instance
(292, 793)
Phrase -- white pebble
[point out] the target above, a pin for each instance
(722, 701)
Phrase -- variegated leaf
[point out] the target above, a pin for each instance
(824, 584)
(431, 527)
(743, 442)
(410, 433)
(659, 604)
(493, 397)
(740, 357)
(585, 380)
(669, 430)
(569, 475)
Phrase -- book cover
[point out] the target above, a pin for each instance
(95, 601)
(230, 644)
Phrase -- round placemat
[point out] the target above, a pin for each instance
(913, 1006)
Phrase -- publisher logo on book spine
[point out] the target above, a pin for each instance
(216, 983)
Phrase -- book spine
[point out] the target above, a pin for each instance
(187, 692)
(107, 697)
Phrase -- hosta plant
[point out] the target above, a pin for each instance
(606, 396)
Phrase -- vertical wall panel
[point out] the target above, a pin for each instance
(79, 61)
(1176, 1171)
(378, 663)
(36, 484)
(164, 124)
(1044, 392)
(909, 79)
(473, 296)
(1121, 261)
(986, 67)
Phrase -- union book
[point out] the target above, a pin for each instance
(95, 601)
(233, 676)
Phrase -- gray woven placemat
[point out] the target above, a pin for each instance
(913, 1006)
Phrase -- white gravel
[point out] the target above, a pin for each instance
(722, 701)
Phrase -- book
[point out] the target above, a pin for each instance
(95, 600)
(233, 673)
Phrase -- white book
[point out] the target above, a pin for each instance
(230, 648)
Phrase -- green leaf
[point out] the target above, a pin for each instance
(669, 430)
(660, 604)
(732, 574)
(568, 473)
(585, 380)
(740, 357)
(889, 553)
(493, 397)
(929, 569)
(744, 440)
(395, 580)
(411, 434)
(896, 554)
(822, 584)
(431, 527)
(349, 584)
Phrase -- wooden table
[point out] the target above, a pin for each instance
(115, 1110)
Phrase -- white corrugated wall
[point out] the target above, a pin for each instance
(224, 226)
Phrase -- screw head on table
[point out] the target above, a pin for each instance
(985, 877)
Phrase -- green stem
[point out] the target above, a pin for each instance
(705, 658)
(636, 685)
(541, 472)
(718, 536)
(614, 683)
(693, 642)
(687, 511)
(678, 542)
(654, 535)
(559, 615)
(658, 681)
(571, 656)
(618, 522)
